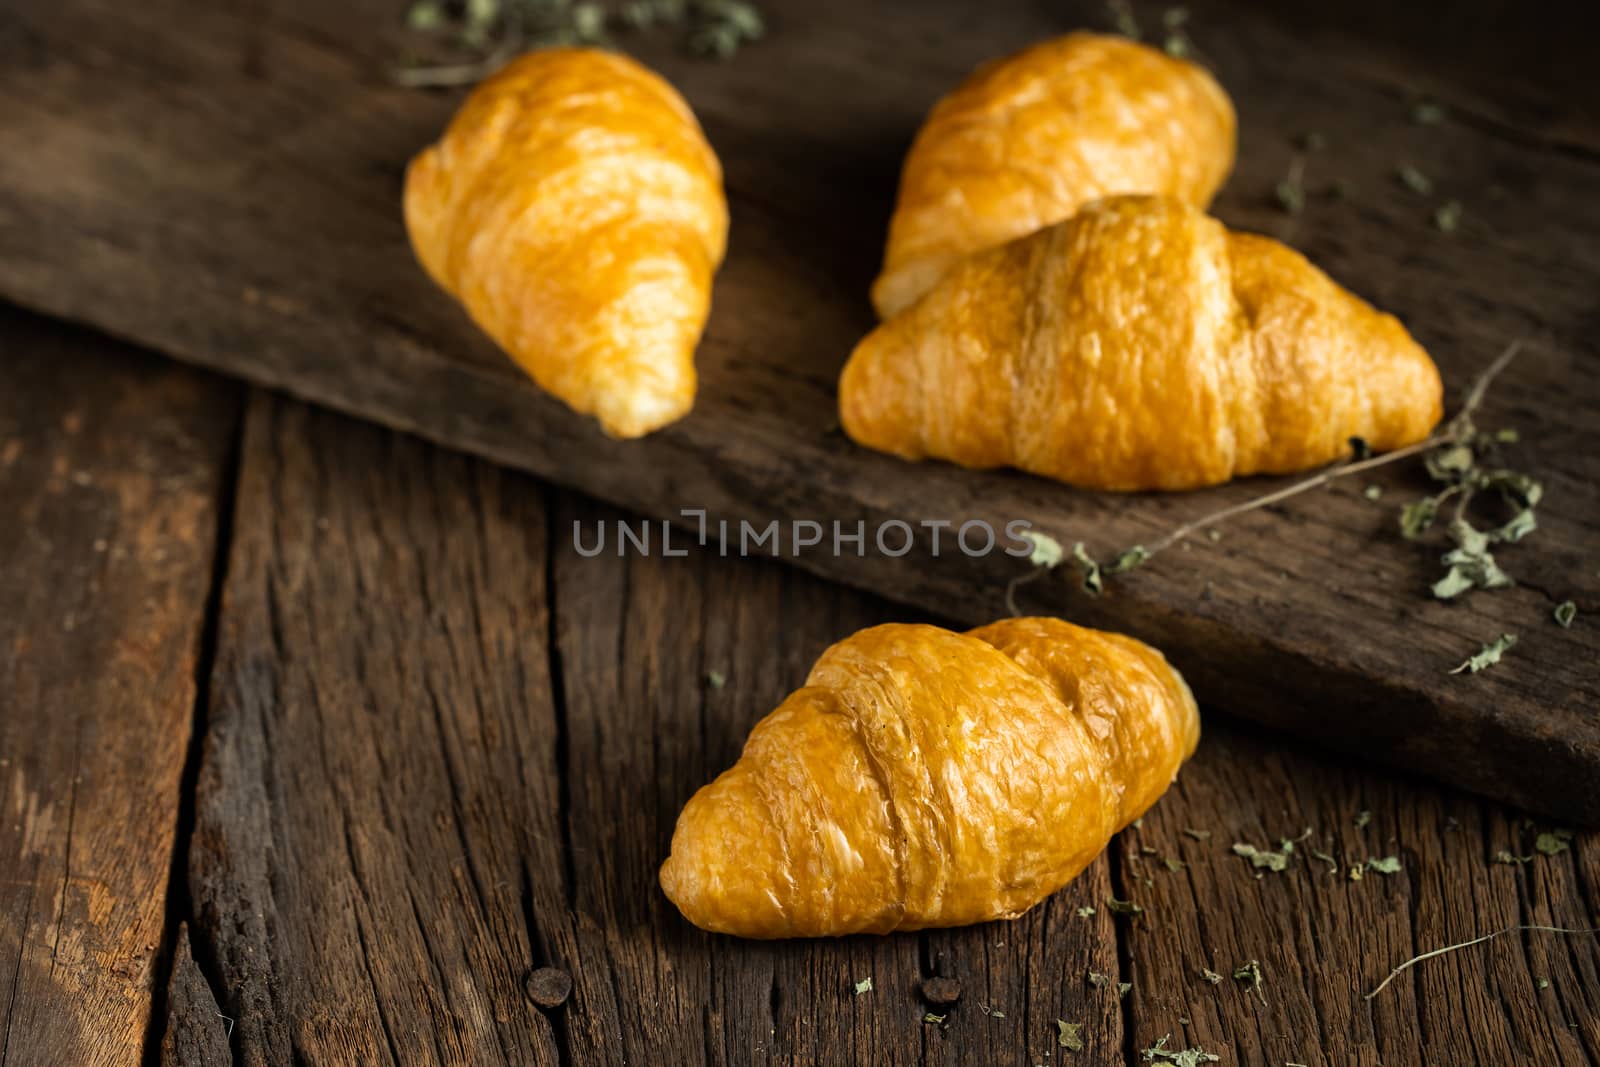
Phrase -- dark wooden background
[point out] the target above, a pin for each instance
(220, 182)
(317, 740)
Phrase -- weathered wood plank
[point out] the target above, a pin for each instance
(281, 240)
(111, 464)
(377, 806)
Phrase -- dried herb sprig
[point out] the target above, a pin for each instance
(1460, 431)
(1413, 961)
(1457, 463)
(492, 31)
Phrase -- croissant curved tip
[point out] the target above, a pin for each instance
(862, 399)
(723, 860)
(636, 414)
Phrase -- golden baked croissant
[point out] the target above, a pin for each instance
(576, 210)
(1138, 345)
(1027, 140)
(930, 778)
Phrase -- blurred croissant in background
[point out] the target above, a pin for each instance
(1027, 140)
(1139, 345)
(576, 210)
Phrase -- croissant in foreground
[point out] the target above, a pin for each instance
(1027, 140)
(929, 778)
(1139, 345)
(576, 210)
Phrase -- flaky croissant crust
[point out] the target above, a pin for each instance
(1027, 140)
(929, 778)
(576, 210)
(1138, 345)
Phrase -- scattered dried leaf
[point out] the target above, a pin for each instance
(1250, 974)
(1553, 843)
(1264, 859)
(1488, 655)
(1189, 1057)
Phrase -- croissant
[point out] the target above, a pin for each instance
(1138, 345)
(1027, 140)
(576, 210)
(929, 778)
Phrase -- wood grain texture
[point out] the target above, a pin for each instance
(446, 750)
(1323, 940)
(196, 1032)
(110, 468)
(416, 790)
(247, 172)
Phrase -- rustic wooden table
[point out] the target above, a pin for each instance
(219, 182)
(317, 742)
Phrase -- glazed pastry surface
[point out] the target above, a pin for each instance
(575, 209)
(1027, 140)
(1138, 345)
(930, 778)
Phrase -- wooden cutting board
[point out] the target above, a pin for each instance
(220, 182)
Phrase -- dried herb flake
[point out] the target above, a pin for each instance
(1488, 655)
(1416, 517)
(1092, 582)
(1046, 549)
(1414, 179)
(1263, 859)
(1128, 559)
(1189, 1057)
(1553, 843)
(1427, 113)
(1447, 216)
(1250, 975)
